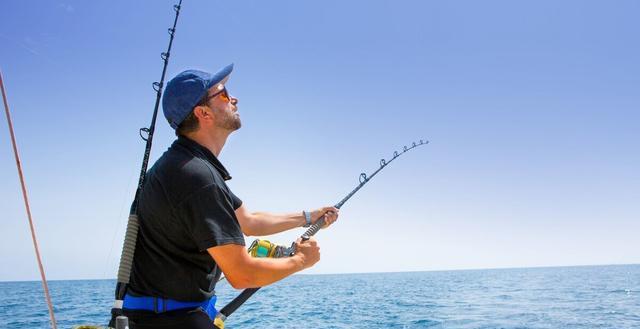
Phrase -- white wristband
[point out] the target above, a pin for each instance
(307, 218)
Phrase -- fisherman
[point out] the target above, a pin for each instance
(192, 225)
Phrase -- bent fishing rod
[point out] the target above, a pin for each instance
(146, 133)
(313, 229)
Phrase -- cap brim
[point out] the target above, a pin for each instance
(220, 77)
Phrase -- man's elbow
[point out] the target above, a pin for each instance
(248, 232)
(249, 226)
(242, 281)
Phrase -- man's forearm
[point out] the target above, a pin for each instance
(243, 271)
(265, 271)
(263, 223)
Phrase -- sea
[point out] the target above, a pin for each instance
(554, 297)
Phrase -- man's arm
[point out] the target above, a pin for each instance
(263, 223)
(243, 271)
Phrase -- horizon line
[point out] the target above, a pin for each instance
(384, 272)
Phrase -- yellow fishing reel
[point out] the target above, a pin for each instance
(266, 249)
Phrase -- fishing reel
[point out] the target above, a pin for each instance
(266, 249)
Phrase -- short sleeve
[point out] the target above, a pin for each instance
(209, 217)
(235, 201)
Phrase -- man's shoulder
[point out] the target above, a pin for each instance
(182, 168)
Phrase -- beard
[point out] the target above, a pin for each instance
(230, 121)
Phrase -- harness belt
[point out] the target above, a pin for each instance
(161, 305)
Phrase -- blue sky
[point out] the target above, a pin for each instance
(532, 109)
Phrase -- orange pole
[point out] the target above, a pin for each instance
(26, 204)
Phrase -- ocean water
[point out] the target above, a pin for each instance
(558, 297)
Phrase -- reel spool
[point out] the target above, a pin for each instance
(267, 249)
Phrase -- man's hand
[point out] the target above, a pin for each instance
(308, 252)
(330, 215)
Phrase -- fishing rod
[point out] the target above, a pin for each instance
(146, 133)
(313, 229)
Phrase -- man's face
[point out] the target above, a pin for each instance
(225, 110)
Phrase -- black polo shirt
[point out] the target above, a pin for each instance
(185, 207)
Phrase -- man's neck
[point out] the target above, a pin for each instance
(213, 142)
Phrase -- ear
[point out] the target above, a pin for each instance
(203, 114)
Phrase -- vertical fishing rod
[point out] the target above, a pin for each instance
(313, 229)
(128, 249)
(26, 204)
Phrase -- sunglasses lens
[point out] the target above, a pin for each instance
(225, 96)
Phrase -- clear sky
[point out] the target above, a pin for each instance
(532, 109)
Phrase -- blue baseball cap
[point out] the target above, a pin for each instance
(186, 89)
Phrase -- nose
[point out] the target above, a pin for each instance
(234, 100)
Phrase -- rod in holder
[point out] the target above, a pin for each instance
(131, 235)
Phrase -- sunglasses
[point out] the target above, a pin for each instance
(223, 94)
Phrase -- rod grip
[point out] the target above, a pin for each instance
(313, 229)
(128, 249)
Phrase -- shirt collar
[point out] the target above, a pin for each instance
(204, 153)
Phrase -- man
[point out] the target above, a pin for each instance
(192, 225)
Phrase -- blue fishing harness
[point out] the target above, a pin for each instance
(161, 305)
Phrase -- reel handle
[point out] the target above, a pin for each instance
(292, 249)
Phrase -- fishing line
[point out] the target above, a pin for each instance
(313, 229)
